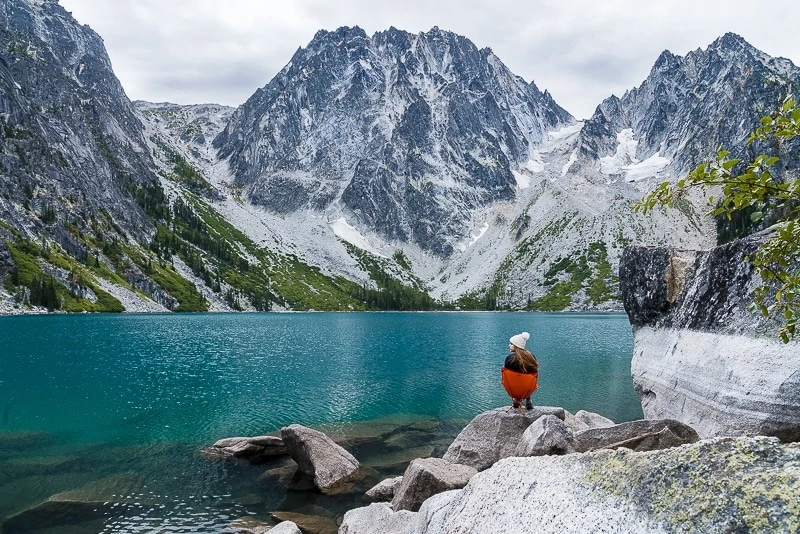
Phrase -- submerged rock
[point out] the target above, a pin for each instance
(248, 525)
(319, 457)
(93, 501)
(720, 485)
(699, 356)
(308, 524)
(493, 435)
(426, 477)
(255, 449)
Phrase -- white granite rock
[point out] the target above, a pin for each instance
(384, 490)
(285, 527)
(493, 435)
(377, 518)
(720, 485)
(721, 385)
(593, 420)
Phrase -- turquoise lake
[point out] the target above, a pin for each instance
(114, 409)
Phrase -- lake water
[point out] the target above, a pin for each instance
(113, 409)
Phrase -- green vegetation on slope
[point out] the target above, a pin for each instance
(31, 285)
(589, 271)
(392, 294)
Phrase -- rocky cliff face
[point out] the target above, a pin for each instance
(699, 356)
(406, 132)
(71, 145)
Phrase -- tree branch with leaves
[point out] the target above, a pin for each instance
(769, 195)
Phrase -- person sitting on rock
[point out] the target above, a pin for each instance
(520, 360)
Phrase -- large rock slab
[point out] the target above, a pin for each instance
(720, 485)
(255, 449)
(593, 420)
(319, 457)
(643, 435)
(90, 502)
(699, 356)
(426, 477)
(547, 435)
(493, 435)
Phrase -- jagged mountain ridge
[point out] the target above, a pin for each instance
(403, 133)
(689, 106)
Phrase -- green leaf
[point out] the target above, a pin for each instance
(731, 163)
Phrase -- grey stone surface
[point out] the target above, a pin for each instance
(642, 435)
(426, 477)
(593, 420)
(699, 356)
(384, 490)
(719, 485)
(573, 423)
(547, 435)
(493, 435)
(90, 151)
(286, 527)
(319, 457)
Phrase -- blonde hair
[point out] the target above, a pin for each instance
(527, 361)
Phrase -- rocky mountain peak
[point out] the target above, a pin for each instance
(404, 134)
(732, 43)
(688, 106)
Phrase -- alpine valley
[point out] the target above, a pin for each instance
(392, 171)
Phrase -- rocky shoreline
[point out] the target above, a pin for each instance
(546, 471)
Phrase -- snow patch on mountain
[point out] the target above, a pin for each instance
(523, 182)
(573, 157)
(624, 161)
(343, 230)
(645, 169)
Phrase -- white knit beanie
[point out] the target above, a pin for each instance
(520, 339)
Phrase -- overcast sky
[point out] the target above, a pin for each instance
(201, 51)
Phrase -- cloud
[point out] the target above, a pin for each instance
(192, 51)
